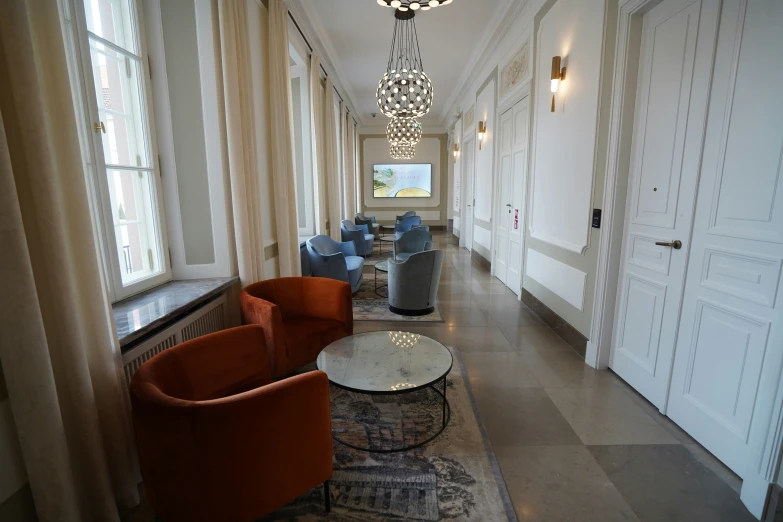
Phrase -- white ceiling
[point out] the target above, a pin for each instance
(356, 34)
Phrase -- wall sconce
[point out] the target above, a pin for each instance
(482, 129)
(558, 75)
(456, 150)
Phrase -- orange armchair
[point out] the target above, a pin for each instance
(300, 317)
(218, 439)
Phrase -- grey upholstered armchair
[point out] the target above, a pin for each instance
(372, 226)
(359, 235)
(410, 242)
(406, 215)
(413, 283)
(405, 225)
(334, 260)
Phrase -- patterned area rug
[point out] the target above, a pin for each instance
(370, 306)
(454, 477)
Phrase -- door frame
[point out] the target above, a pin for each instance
(763, 468)
(524, 92)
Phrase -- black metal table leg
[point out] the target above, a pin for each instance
(327, 497)
(444, 401)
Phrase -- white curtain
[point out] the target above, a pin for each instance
(241, 138)
(331, 162)
(318, 144)
(349, 185)
(282, 141)
(58, 346)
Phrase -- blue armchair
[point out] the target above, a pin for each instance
(405, 225)
(334, 260)
(413, 283)
(406, 215)
(412, 242)
(359, 235)
(373, 227)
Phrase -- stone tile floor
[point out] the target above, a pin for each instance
(573, 443)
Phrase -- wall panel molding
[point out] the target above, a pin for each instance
(564, 280)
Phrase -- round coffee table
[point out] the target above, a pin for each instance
(383, 266)
(384, 239)
(388, 363)
(387, 228)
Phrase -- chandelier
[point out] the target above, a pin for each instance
(405, 90)
(404, 5)
(402, 151)
(403, 131)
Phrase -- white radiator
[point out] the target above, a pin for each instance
(207, 319)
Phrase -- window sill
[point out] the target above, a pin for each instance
(142, 315)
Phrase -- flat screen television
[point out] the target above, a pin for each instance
(402, 180)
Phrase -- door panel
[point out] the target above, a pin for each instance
(516, 234)
(672, 89)
(513, 180)
(500, 267)
(727, 366)
(469, 167)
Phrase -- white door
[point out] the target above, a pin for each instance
(469, 170)
(672, 89)
(513, 181)
(730, 345)
(500, 264)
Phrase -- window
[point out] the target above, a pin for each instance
(111, 78)
(300, 100)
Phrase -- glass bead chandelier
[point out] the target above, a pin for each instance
(405, 90)
(404, 5)
(403, 130)
(402, 151)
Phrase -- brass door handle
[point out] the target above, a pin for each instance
(676, 244)
(508, 204)
(97, 127)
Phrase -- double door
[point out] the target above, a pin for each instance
(698, 322)
(510, 212)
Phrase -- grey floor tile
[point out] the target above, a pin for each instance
(532, 334)
(501, 370)
(716, 466)
(560, 483)
(564, 369)
(522, 417)
(606, 415)
(469, 338)
(667, 483)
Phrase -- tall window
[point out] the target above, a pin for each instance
(113, 82)
(300, 100)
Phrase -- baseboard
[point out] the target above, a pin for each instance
(449, 225)
(774, 511)
(439, 228)
(561, 327)
(481, 260)
(455, 240)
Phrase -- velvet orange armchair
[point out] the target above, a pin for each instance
(218, 439)
(300, 317)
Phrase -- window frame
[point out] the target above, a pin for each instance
(301, 70)
(93, 149)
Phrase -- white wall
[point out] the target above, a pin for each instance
(375, 150)
(455, 177)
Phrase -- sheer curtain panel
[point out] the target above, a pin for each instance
(282, 140)
(318, 145)
(348, 165)
(58, 346)
(241, 139)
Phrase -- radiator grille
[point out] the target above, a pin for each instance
(212, 321)
(133, 364)
(207, 319)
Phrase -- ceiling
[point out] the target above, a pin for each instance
(356, 34)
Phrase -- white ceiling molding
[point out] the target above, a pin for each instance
(487, 45)
(310, 24)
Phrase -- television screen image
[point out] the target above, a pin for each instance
(413, 180)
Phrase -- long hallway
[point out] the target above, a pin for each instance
(573, 443)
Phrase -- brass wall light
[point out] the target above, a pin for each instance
(456, 150)
(558, 75)
(482, 129)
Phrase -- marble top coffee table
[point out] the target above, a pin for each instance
(389, 363)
